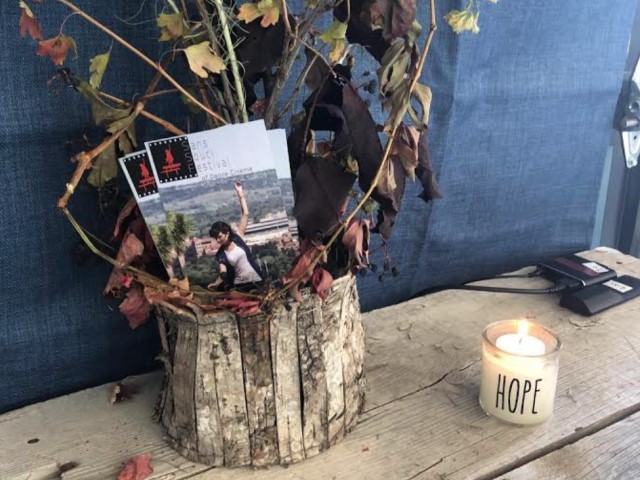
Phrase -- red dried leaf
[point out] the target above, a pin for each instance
(28, 23)
(321, 281)
(356, 239)
(130, 248)
(239, 306)
(135, 307)
(138, 468)
(308, 251)
(124, 213)
(57, 48)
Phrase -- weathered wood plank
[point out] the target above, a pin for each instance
(227, 361)
(208, 423)
(332, 357)
(183, 388)
(284, 354)
(353, 349)
(84, 428)
(411, 430)
(611, 453)
(258, 385)
(314, 383)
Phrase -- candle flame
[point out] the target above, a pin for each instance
(523, 328)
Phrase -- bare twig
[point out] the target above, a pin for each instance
(287, 61)
(296, 89)
(285, 17)
(142, 56)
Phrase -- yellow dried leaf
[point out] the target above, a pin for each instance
(463, 20)
(269, 10)
(26, 9)
(97, 67)
(201, 59)
(172, 26)
(335, 37)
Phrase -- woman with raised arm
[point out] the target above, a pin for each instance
(237, 267)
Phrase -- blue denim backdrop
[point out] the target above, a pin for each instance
(519, 128)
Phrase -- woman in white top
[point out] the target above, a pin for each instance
(237, 267)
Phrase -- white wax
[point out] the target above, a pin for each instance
(520, 344)
(518, 383)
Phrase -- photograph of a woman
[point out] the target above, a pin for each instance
(236, 264)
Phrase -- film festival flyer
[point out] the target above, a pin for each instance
(280, 151)
(138, 172)
(222, 199)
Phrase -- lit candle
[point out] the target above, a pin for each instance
(519, 371)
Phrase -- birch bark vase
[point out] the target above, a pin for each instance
(262, 390)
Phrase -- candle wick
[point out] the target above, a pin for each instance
(520, 338)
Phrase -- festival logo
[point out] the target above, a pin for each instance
(174, 159)
(139, 170)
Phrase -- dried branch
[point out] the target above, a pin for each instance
(233, 61)
(168, 126)
(295, 91)
(142, 56)
(226, 86)
(84, 159)
(287, 61)
(383, 164)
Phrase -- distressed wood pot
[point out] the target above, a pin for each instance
(262, 390)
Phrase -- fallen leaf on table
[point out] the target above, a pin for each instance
(138, 468)
(122, 392)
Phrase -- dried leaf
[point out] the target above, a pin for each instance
(356, 239)
(399, 103)
(57, 48)
(124, 213)
(130, 248)
(121, 392)
(335, 37)
(424, 171)
(136, 308)
(97, 67)
(463, 21)
(321, 195)
(405, 149)
(172, 26)
(138, 468)
(105, 167)
(393, 67)
(393, 17)
(28, 23)
(201, 59)
(321, 281)
(269, 10)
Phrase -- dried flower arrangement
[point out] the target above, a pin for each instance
(230, 52)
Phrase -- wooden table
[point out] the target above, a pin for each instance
(422, 419)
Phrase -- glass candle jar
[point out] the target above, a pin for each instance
(519, 371)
